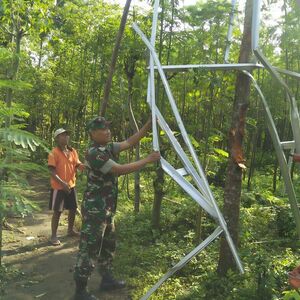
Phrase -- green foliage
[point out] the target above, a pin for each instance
(62, 67)
(285, 222)
(268, 247)
(15, 199)
(15, 85)
(145, 255)
(21, 138)
(291, 295)
(7, 274)
(15, 165)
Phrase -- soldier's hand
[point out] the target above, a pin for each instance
(154, 156)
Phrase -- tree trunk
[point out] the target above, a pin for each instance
(15, 65)
(130, 72)
(275, 171)
(1, 229)
(198, 230)
(114, 59)
(256, 136)
(158, 182)
(158, 185)
(235, 166)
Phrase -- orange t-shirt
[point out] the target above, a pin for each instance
(65, 166)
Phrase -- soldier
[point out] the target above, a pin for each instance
(97, 240)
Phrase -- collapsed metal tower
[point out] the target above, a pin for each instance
(200, 190)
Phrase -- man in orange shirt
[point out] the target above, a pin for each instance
(63, 162)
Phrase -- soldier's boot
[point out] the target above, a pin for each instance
(82, 292)
(109, 283)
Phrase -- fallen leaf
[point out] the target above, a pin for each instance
(40, 295)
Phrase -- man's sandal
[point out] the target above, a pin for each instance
(73, 233)
(55, 242)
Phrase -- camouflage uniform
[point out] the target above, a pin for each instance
(98, 208)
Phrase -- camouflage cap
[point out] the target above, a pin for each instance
(97, 123)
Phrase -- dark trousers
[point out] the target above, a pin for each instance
(97, 245)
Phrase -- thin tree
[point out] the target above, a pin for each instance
(159, 179)
(130, 64)
(236, 161)
(114, 59)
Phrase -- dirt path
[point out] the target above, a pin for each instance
(46, 270)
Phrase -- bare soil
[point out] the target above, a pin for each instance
(45, 271)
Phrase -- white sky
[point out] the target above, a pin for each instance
(144, 3)
(275, 10)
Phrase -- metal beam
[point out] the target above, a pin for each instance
(201, 184)
(280, 156)
(255, 23)
(151, 84)
(225, 67)
(294, 114)
(287, 72)
(189, 188)
(288, 145)
(229, 32)
(183, 261)
(171, 100)
(211, 67)
(189, 144)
